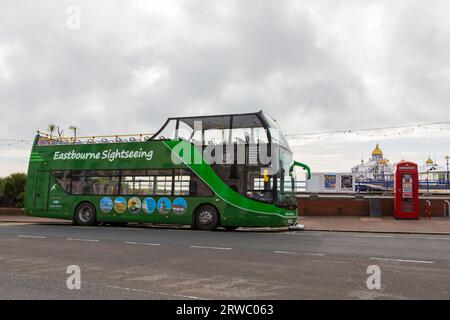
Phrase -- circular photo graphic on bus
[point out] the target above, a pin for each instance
(164, 205)
(134, 205)
(179, 206)
(149, 205)
(106, 204)
(120, 204)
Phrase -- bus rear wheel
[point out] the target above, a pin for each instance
(85, 214)
(207, 218)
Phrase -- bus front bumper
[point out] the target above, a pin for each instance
(285, 221)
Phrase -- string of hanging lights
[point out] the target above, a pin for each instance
(376, 132)
(387, 131)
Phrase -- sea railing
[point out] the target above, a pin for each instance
(385, 186)
(388, 186)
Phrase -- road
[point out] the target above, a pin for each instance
(140, 262)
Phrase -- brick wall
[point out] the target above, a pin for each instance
(357, 207)
(11, 211)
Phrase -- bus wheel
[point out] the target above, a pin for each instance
(85, 214)
(207, 217)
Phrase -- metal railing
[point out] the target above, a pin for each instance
(47, 139)
(389, 185)
(300, 186)
(447, 211)
(386, 186)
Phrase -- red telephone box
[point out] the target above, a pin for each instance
(406, 191)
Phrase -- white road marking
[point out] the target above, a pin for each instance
(213, 248)
(33, 237)
(112, 286)
(303, 253)
(371, 236)
(285, 252)
(143, 243)
(144, 291)
(316, 254)
(88, 240)
(402, 260)
(438, 238)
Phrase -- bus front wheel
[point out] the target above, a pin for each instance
(85, 214)
(207, 218)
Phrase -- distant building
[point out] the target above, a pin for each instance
(377, 168)
(432, 172)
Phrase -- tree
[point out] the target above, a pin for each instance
(60, 132)
(51, 128)
(14, 188)
(2, 186)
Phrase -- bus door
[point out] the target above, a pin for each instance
(41, 194)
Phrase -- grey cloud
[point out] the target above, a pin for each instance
(306, 63)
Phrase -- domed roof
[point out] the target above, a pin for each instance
(377, 151)
(429, 162)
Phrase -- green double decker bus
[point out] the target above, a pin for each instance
(231, 171)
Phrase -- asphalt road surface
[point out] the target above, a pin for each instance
(140, 262)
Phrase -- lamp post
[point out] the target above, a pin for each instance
(74, 128)
(446, 176)
(428, 184)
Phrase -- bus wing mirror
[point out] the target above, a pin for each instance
(302, 165)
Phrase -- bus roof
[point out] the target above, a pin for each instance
(223, 121)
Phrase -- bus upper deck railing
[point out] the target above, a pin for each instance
(46, 139)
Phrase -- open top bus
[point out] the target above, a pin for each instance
(231, 170)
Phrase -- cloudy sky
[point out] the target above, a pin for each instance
(315, 66)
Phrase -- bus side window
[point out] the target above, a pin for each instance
(95, 185)
(198, 188)
(182, 183)
(126, 186)
(77, 185)
(257, 187)
(63, 178)
(193, 188)
(164, 185)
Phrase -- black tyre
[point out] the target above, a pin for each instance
(207, 217)
(85, 214)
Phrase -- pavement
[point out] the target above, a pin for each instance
(437, 225)
(28, 219)
(142, 262)
(321, 223)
